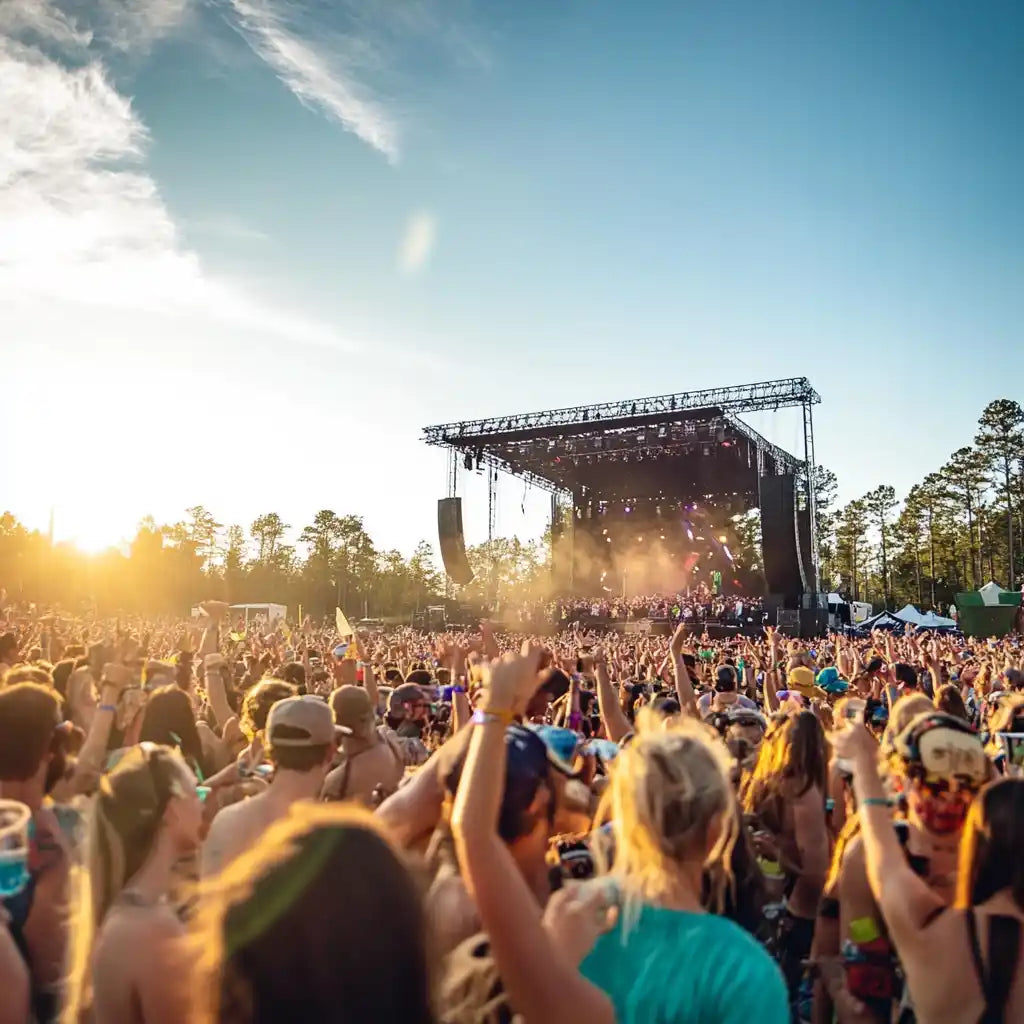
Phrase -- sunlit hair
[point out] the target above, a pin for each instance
(849, 831)
(669, 798)
(1006, 714)
(321, 921)
(949, 701)
(124, 822)
(904, 711)
(990, 847)
(793, 759)
(24, 673)
(258, 702)
(29, 712)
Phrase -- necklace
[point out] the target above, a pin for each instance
(134, 898)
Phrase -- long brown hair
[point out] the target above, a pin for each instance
(794, 754)
(321, 921)
(990, 847)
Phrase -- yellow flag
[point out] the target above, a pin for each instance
(344, 629)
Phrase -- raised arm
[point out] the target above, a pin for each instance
(214, 667)
(904, 899)
(684, 685)
(93, 755)
(613, 718)
(543, 984)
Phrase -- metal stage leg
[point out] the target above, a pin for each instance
(812, 470)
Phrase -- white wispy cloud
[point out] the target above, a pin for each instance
(315, 79)
(82, 220)
(417, 242)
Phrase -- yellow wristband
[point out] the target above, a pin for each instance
(482, 716)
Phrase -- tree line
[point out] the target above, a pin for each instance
(333, 562)
(955, 530)
(958, 528)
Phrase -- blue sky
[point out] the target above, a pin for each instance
(250, 247)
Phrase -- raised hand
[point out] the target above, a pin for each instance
(579, 914)
(512, 679)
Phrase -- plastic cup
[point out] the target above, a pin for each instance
(14, 822)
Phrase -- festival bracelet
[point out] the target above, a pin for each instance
(112, 708)
(484, 716)
(874, 801)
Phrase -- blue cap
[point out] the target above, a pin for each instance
(828, 679)
(561, 745)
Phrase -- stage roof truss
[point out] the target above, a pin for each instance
(547, 448)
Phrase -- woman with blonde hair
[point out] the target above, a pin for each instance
(662, 955)
(321, 921)
(127, 943)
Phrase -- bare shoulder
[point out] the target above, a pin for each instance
(229, 833)
(126, 931)
(853, 869)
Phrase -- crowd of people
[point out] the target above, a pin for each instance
(696, 605)
(247, 822)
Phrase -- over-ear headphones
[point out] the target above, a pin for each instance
(907, 745)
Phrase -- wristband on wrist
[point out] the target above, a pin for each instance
(112, 708)
(873, 801)
(483, 716)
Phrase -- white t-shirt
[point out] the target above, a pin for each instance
(705, 701)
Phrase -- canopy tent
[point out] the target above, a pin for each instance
(990, 593)
(933, 621)
(904, 617)
(926, 620)
(908, 613)
(883, 620)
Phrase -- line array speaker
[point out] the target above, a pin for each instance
(779, 534)
(453, 544)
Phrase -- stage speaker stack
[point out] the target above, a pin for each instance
(453, 544)
(779, 539)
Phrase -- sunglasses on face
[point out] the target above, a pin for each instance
(940, 785)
